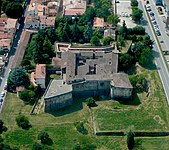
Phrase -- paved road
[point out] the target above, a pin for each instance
(159, 60)
(161, 25)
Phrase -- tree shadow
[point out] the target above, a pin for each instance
(27, 127)
(135, 101)
(50, 141)
(76, 106)
(4, 129)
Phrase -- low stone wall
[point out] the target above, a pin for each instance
(137, 133)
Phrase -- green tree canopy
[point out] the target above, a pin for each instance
(23, 122)
(130, 140)
(44, 137)
(125, 61)
(14, 10)
(17, 77)
(145, 57)
(88, 32)
(113, 19)
(27, 96)
(107, 40)
(137, 14)
(95, 41)
(134, 3)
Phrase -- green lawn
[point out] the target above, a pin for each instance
(59, 125)
(150, 114)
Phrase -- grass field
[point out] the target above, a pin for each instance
(59, 125)
(147, 113)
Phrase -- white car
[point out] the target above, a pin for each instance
(2, 94)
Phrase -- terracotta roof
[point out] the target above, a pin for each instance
(5, 42)
(98, 22)
(49, 21)
(51, 4)
(74, 12)
(19, 88)
(11, 23)
(6, 35)
(40, 71)
(3, 20)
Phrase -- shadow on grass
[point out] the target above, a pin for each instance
(77, 105)
(134, 101)
(4, 129)
(27, 127)
(50, 141)
(138, 144)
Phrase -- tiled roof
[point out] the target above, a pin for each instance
(40, 71)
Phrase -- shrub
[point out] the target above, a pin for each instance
(23, 122)
(91, 102)
(44, 138)
(80, 127)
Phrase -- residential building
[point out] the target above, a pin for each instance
(5, 45)
(39, 76)
(32, 22)
(110, 32)
(74, 7)
(46, 22)
(99, 23)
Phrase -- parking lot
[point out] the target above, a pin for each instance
(124, 12)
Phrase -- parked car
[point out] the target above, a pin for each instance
(152, 18)
(5, 87)
(1, 99)
(158, 33)
(2, 94)
(154, 22)
(151, 13)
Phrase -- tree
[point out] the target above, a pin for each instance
(88, 32)
(80, 127)
(1, 126)
(23, 122)
(147, 41)
(134, 3)
(120, 41)
(75, 32)
(130, 140)
(17, 77)
(123, 30)
(146, 57)
(136, 50)
(107, 40)
(113, 19)
(0, 7)
(51, 35)
(14, 10)
(27, 96)
(137, 14)
(66, 33)
(44, 137)
(37, 146)
(125, 61)
(91, 102)
(95, 41)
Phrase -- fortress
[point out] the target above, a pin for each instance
(86, 72)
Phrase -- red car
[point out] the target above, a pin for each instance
(5, 87)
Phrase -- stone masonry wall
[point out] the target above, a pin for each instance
(91, 88)
(117, 92)
(58, 102)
